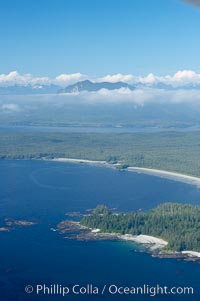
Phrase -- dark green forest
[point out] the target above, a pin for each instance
(172, 151)
(179, 224)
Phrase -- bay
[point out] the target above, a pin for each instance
(44, 192)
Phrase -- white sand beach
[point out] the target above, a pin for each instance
(95, 230)
(168, 175)
(175, 176)
(191, 253)
(151, 171)
(153, 242)
(79, 161)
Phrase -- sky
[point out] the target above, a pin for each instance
(47, 38)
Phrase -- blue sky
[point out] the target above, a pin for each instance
(98, 37)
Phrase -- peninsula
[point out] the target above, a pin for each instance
(171, 227)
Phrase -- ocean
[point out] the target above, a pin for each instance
(37, 257)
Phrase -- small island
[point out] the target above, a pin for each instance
(4, 229)
(11, 224)
(22, 223)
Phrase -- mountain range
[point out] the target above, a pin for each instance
(89, 86)
(85, 85)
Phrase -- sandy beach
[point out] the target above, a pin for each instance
(191, 253)
(168, 175)
(153, 242)
(175, 176)
(79, 161)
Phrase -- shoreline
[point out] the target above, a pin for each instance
(71, 160)
(152, 244)
(146, 240)
(83, 161)
(175, 176)
(157, 244)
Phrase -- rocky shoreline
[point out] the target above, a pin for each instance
(74, 230)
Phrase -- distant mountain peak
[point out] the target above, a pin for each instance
(87, 85)
(86, 81)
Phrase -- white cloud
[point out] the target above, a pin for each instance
(37, 81)
(184, 77)
(123, 95)
(128, 78)
(138, 97)
(68, 79)
(14, 78)
(150, 79)
(181, 78)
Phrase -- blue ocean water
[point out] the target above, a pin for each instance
(43, 192)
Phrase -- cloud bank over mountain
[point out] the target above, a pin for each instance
(123, 107)
(138, 98)
(143, 106)
(14, 78)
(182, 78)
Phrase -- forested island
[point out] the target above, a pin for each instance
(178, 224)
